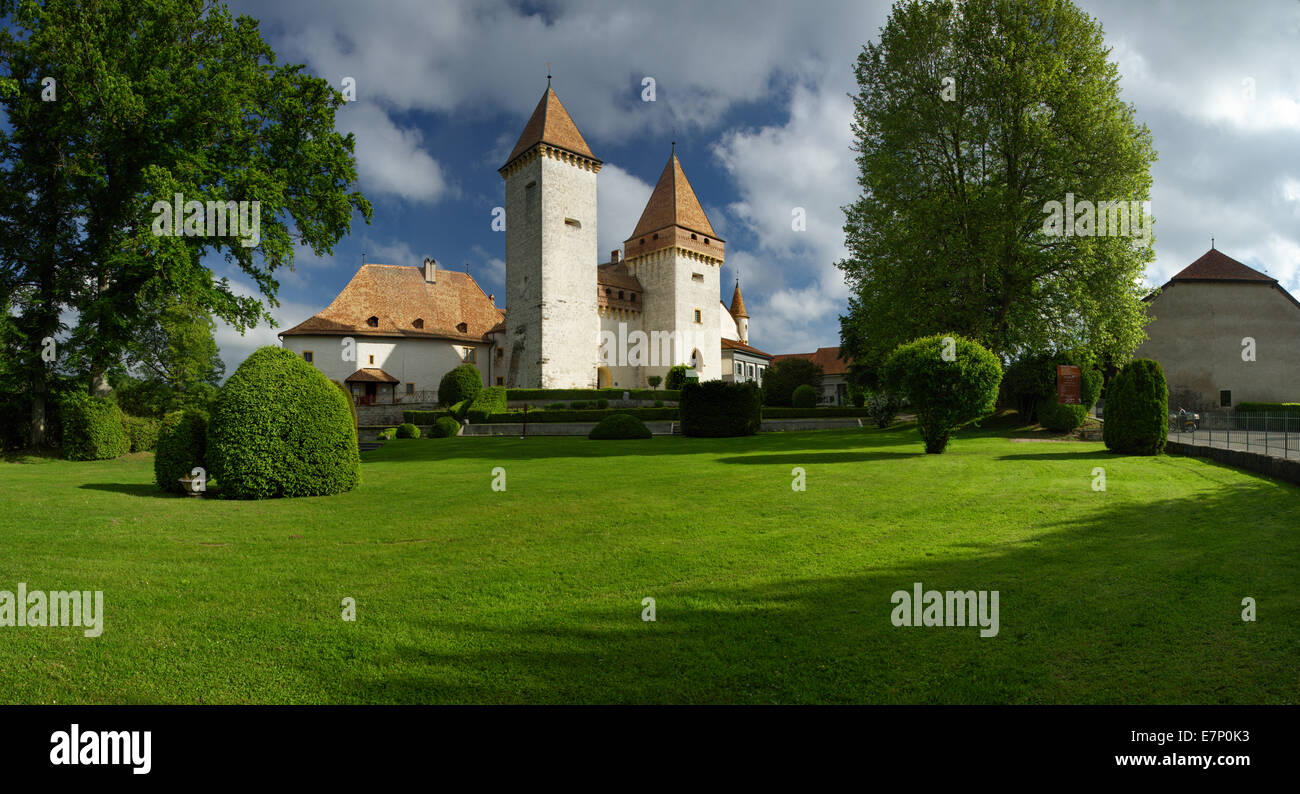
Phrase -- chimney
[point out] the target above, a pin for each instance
(430, 270)
(613, 256)
(492, 299)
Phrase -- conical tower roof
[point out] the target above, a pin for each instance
(673, 203)
(551, 124)
(737, 303)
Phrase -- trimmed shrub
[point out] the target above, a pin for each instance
(1137, 409)
(387, 434)
(715, 408)
(676, 377)
(546, 417)
(445, 427)
(407, 430)
(424, 417)
(602, 404)
(654, 381)
(556, 406)
(858, 398)
(619, 426)
(816, 412)
(182, 445)
(945, 394)
(882, 408)
(352, 405)
(461, 383)
(1272, 408)
(489, 401)
(804, 396)
(459, 409)
(659, 403)
(141, 432)
(92, 428)
(281, 429)
(785, 376)
(542, 396)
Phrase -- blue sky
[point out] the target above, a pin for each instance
(757, 93)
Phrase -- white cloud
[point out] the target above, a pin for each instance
(621, 198)
(395, 252)
(389, 158)
(235, 347)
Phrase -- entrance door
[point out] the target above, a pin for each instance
(603, 380)
(372, 391)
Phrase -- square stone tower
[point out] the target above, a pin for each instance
(552, 327)
(678, 258)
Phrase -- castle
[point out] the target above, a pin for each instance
(570, 321)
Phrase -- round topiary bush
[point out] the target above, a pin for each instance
(182, 445)
(676, 377)
(92, 428)
(445, 427)
(407, 430)
(619, 426)
(804, 396)
(948, 379)
(1137, 410)
(461, 384)
(387, 434)
(280, 428)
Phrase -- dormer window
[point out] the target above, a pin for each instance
(608, 291)
(373, 322)
(693, 236)
(634, 297)
(655, 236)
(706, 241)
(462, 327)
(419, 322)
(620, 294)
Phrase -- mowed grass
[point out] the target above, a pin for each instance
(763, 594)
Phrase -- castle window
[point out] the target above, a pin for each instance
(1225, 398)
(373, 322)
(642, 241)
(419, 322)
(608, 291)
(620, 294)
(372, 360)
(634, 297)
(410, 389)
(697, 277)
(501, 353)
(655, 236)
(468, 355)
(693, 235)
(501, 381)
(307, 356)
(697, 316)
(706, 241)
(574, 222)
(462, 327)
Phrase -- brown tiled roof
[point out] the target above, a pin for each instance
(731, 344)
(370, 375)
(615, 278)
(551, 123)
(1214, 265)
(616, 274)
(673, 203)
(737, 303)
(398, 296)
(828, 357)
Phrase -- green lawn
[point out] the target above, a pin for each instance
(764, 594)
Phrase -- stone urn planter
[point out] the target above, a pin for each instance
(188, 487)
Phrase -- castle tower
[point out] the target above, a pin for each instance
(678, 258)
(738, 313)
(551, 322)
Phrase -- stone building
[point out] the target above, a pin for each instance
(1224, 333)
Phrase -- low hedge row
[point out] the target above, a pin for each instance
(491, 400)
(595, 415)
(424, 417)
(1271, 408)
(544, 395)
(427, 418)
(773, 412)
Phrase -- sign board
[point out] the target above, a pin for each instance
(1068, 384)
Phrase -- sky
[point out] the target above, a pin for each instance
(756, 95)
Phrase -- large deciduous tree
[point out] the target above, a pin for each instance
(971, 118)
(115, 106)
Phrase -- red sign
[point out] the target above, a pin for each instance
(1068, 383)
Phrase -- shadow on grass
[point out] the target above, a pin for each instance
(131, 489)
(802, 458)
(1134, 603)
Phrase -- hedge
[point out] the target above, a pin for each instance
(182, 445)
(1137, 409)
(141, 432)
(828, 412)
(545, 395)
(1272, 408)
(619, 426)
(444, 427)
(408, 430)
(92, 428)
(491, 400)
(280, 428)
(425, 417)
(463, 382)
(715, 409)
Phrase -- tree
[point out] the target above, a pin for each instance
(949, 380)
(787, 374)
(1137, 409)
(676, 377)
(654, 381)
(151, 102)
(969, 121)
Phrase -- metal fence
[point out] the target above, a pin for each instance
(1267, 433)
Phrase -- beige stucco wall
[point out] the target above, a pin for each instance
(422, 362)
(1197, 334)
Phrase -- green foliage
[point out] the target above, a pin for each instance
(425, 417)
(715, 408)
(489, 401)
(654, 381)
(602, 404)
(387, 434)
(788, 374)
(619, 426)
(659, 403)
(949, 232)
(347, 395)
(407, 430)
(945, 394)
(543, 395)
(462, 383)
(281, 429)
(92, 428)
(556, 406)
(141, 432)
(1137, 409)
(804, 396)
(182, 445)
(1272, 408)
(676, 377)
(459, 409)
(586, 415)
(444, 427)
(816, 412)
(883, 407)
(1030, 386)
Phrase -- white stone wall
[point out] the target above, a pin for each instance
(692, 294)
(622, 373)
(727, 326)
(551, 274)
(422, 362)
